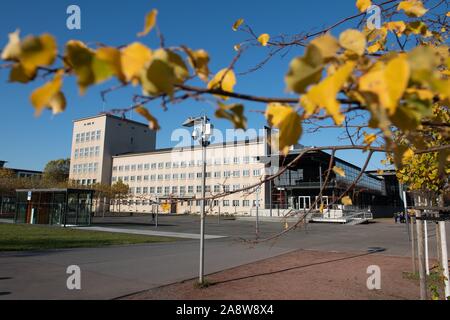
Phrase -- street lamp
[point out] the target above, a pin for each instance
(202, 132)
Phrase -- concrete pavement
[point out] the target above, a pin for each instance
(111, 272)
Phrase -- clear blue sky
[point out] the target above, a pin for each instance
(29, 142)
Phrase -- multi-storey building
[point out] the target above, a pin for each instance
(97, 139)
(107, 149)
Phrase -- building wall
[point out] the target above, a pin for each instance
(177, 173)
(96, 139)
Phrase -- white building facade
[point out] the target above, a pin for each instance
(107, 149)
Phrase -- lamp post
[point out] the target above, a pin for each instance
(203, 130)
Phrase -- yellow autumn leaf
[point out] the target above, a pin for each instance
(326, 45)
(180, 69)
(388, 82)
(134, 58)
(346, 201)
(363, 5)
(448, 14)
(58, 103)
(374, 48)
(339, 171)
(224, 80)
(18, 74)
(396, 26)
(80, 58)
(369, 138)
(407, 156)
(37, 52)
(152, 121)
(264, 39)
(233, 113)
(48, 96)
(287, 121)
(237, 24)
(113, 60)
(354, 41)
(150, 21)
(199, 60)
(12, 50)
(412, 8)
(324, 94)
(158, 78)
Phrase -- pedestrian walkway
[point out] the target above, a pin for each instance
(151, 233)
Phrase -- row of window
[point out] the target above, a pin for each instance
(87, 152)
(183, 190)
(85, 168)
(198, 203)
(86, 182)
(190, 176)
(88, 136)
(183, 164)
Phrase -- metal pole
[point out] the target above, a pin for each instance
(202, 214)
(427, 264)
(218, 219)
(257, 213)
(421, 251)
(444, 256)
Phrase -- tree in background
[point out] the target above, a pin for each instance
(119, 192)
(57, 172)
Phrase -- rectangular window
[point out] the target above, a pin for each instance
(199, 175)
(199, 189)
(88, 137)
(236, 160)
(152, 177)
(133, 167)
(91, 152)
(246, 173)
(145, 190)
(77, 139)
(226, 160)
(190, 189)
(175, 176)
(191, 175)
(217, 161)
(236, 187)
(152, 190)
(183, 164)
(82, 137)
(76, 154)
(96, 167)
(168, 165)
(160, 165)
(217, 174)
(139, 178)
(175, 165)
(183, 176)
(92, 135)
(182, 190)
(207, 188)
(227, 174)
(235, 203)
(166, 190)
(145, 178)
(153, 166)
(246, 160)
(147, 166)
(114, 168)
(127, 168)
(216, 188)
(97, 151)
(132, 178)
(246, 203)
(120, 168)
(86, 152)
(256, 172)
(138, 190)
(226, 203)
(159, 190)
(174, 190)
(126, 178)
(236, 174)
(98, 134)
(226, 188)
(140, 167)
(167, 177)
(160, 177)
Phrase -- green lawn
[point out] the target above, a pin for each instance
(15, 237)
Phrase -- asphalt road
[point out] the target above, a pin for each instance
(111, 272)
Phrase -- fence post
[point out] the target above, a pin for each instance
(421, 255)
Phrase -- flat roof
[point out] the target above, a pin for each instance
(197, 147)
(53, 190)
(112, 116)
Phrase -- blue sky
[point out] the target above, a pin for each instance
(29, 142)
